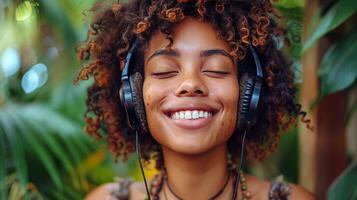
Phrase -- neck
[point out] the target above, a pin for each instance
(197, 176)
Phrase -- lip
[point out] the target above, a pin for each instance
(190, 106)
(190, 124)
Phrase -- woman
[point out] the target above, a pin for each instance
(197, 72)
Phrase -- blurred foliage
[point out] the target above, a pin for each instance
(337, 72)
(345, 187)
(43, 151)
(338, 66)
(333, 17)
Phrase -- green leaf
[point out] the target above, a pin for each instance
(71, 194)
(345, 186)
(60, 135)
(40, 150)
(56, 15)
(290, 3)
(67, 193)
(3, 187)
(335, 16)
(338, 69)
(54, 145)
(354, 195)
(56, 195)
(16, 145)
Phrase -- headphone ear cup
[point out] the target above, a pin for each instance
(246, 86)
(136, 83)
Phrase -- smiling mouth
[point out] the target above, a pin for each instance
(191, 119)
(190, 114)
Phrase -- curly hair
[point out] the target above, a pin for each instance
(238, 22)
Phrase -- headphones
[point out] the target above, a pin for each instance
(131, 94)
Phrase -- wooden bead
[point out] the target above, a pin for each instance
(242, 179)
(247, 194)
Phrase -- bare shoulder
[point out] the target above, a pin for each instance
(136, 191)
(299, 192)
(260, 189)
(102, 191)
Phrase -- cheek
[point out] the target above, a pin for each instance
(229, 98)
(147, 100)
(147, 94)
(154, 92)
(230, 123)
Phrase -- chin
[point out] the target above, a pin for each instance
(189, 148)
(190, 142)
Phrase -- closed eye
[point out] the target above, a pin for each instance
(216, 74)
(163, 75)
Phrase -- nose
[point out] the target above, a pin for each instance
(192, 84)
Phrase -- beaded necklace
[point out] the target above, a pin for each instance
(244, 187)
(159, 179)
(211, 198)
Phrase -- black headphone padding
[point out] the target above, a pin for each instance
(246, 86)
(136, 83)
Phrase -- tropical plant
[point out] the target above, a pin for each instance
(43, 151)
(338, 72)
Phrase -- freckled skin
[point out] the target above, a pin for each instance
(221, 92)
(147, 102)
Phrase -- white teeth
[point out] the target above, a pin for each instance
(191, 114)
(182, 115)
(201, 114)
(188, 114)
(195, 114)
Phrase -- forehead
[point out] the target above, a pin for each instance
(189, 35)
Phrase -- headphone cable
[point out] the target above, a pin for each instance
(141, 165)
(236, 181)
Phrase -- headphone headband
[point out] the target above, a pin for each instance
(125, 73)
(258, 65)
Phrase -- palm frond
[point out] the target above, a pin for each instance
(15, 144)
(55, 141)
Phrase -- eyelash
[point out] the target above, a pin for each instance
(216, 72)
(169, 74)
(163, 75)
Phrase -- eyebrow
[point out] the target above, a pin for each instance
(211, 52)
(166, 52)
(205, 53)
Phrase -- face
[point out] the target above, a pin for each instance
(190, 90)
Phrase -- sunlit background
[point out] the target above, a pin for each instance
(44, 153)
